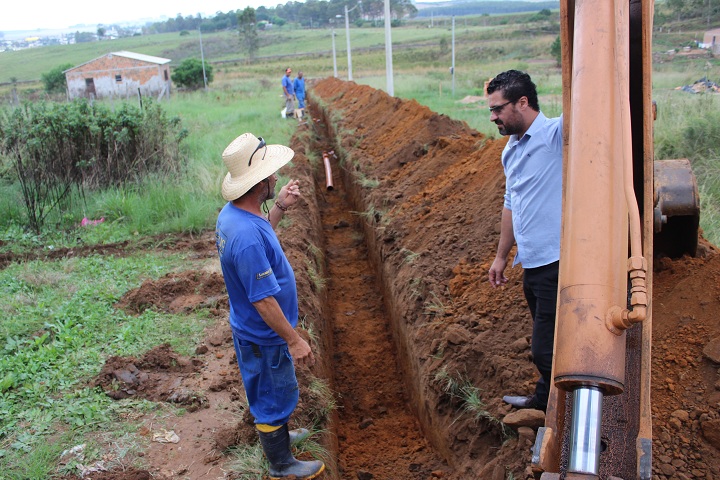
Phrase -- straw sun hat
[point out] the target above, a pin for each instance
(249, 161)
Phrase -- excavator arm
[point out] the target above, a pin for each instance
(618, 204)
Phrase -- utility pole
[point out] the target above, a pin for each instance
(202, 58)
(334, 56)
(332, 22)
(388, 51)
(453, 56)
(347, 36)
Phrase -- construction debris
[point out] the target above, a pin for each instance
(701, 86)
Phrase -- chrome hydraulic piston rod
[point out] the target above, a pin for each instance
(585, 444)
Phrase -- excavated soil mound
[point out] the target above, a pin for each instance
(433, 222)
(156, 376)
(178, 292)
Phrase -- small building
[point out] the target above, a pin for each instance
(120, 75)
(711, 40)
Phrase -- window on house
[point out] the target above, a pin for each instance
(118, 78)
(166, 75)
(89, 81)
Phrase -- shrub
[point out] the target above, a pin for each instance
(57, 150)
(54, 81)
(189, 74)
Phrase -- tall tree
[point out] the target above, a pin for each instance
(249, 41)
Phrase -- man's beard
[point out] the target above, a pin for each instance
(269, 193)
(506, 128)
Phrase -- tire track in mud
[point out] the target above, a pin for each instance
(378, 436)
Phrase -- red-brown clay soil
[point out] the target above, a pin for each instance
(406, 307)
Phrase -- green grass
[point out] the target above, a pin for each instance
(469, 396)
(688, 126)
(186, 204)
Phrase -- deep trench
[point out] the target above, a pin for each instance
(378, 433)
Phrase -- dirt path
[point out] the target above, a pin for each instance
(373, 409)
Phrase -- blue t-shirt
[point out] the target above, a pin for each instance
(533, 190)
(288, 84)
(299, 86)
(255, 267)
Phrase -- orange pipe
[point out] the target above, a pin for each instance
(328, 171)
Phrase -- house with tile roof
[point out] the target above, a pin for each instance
(120, 75)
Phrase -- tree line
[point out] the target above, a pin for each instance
(310, 14)
(679, 10)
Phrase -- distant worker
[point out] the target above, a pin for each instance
(531, 215)
(289, 93)
(299, 87)
(263, 296)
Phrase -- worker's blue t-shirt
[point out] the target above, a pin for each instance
(299, 86)
(533, 190)
(255, 267)
(288, 84)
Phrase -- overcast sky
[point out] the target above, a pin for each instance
(62, 14)
(58, 14)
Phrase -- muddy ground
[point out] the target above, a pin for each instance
(391, 267)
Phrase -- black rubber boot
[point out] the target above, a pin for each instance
(298, 435)
(276, 446)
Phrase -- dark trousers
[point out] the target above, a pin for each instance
(541, 286)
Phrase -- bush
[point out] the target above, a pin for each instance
(59, 149)
(189, 74)
(54, 81)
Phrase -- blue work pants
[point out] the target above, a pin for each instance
(268, 375)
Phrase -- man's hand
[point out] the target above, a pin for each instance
(289, 193)
(301, 352)
(496, 276)
(270, 311)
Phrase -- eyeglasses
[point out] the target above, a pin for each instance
(260, 145)
(498, 108)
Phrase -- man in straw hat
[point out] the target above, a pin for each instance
(263, 297)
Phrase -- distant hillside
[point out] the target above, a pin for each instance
(482, 7)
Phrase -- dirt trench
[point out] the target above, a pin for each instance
(373, 405)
